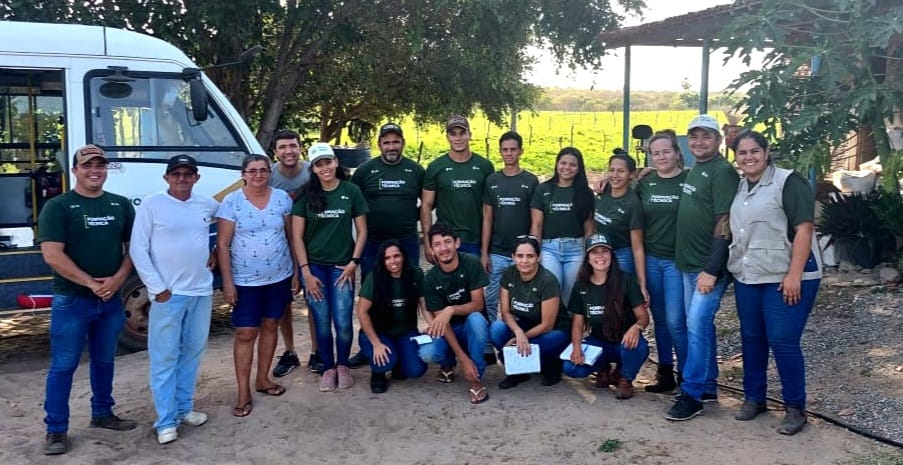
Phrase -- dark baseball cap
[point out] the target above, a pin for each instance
(180, 161)
(390, 128)
(597, 240)
(457, 121)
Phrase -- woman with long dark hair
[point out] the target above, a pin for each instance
(258, 273)
(561, 216)
(390, 299)
(610, 305)
(328, 254)
(531, 313)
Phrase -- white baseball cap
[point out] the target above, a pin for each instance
(705, 122)
(318, 151)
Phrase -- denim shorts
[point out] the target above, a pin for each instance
(257, 302)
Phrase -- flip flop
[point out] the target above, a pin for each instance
(446, 376)
(244, 410)
(275, 390)
(476, 393)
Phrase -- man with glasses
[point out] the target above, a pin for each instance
(84, 236)
(171, 250)
(506, 215)
(289, 173)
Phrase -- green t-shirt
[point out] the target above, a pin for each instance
(525, 298)
(459, 193)
(392, 192)
(617, 216)
(660, 198)
(327, 235)
(559, 218)
(441, 289)
(93, 231)
(798, 201)
(708, 191)
(509, 197)
(399, 314)
(588, 299)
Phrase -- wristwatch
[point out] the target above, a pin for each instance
(356, 260)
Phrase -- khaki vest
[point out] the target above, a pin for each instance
(760, 250)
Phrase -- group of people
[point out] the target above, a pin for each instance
(516, 262)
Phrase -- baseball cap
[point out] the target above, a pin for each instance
(457, 121)
(705, 122)
(88, 152)
(180, 161)
(597, 240)
(318, 151)
(389, 128)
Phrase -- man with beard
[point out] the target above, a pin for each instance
(289, 174)
(391, 184)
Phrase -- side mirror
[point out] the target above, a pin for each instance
(197, 93)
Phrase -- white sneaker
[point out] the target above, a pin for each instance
(195, 418)
(167, 435)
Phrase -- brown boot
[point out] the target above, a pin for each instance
(602, 379)
(624, 388)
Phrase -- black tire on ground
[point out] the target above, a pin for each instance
(136, 305)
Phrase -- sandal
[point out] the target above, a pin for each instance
(275, 390)
(478, 396)
(243, 410)
(446, 376)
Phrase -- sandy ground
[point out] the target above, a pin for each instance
(416, 422)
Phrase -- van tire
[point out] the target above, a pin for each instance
(136, 305)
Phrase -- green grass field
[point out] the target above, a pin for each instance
(596, 134)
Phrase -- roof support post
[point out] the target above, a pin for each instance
(626, 111)
(704, 81)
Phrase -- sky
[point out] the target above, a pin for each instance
(652, 68)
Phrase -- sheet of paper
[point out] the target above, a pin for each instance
(590, 353)
(422, 339)
(515, 364)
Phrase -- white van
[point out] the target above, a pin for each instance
(138, 97)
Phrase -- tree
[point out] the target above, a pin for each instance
(354, 60)
(833, 67)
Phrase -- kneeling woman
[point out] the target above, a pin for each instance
(611, 305)
(529, 301)
(389, 299)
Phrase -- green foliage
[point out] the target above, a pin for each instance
(888, 206)
(596, 134)
(609, 446)
(850, 46)
(852, 217)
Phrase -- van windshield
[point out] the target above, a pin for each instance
(148, 116)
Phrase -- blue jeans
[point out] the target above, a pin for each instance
(472, 335)
(403, 353)
(563, 257)
(473, 249)
(499, 264)
(624, 255)
(176, 340)
(629, 361)
(410, 249)
(73, 319)
(766, 321)
(666, 294)
(550, 343)
(700, 373)
(333, 309)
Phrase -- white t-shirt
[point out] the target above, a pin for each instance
(170, 244)
(260, 250)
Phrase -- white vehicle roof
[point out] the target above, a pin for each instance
(77, 39)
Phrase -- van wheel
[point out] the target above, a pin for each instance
(136, 305)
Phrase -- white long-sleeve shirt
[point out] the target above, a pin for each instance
(171, 244)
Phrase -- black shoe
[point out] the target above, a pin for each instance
(793, 422)
(113, 422)
(315, 363)
(709, 398)
(398, 373)
(551, 372)
(511, 381)
(664, 380)
(550, 379)
(685, 409)
(378, 383)
(750, 410)
(358, 360)
(287, 362)
(56, 444)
